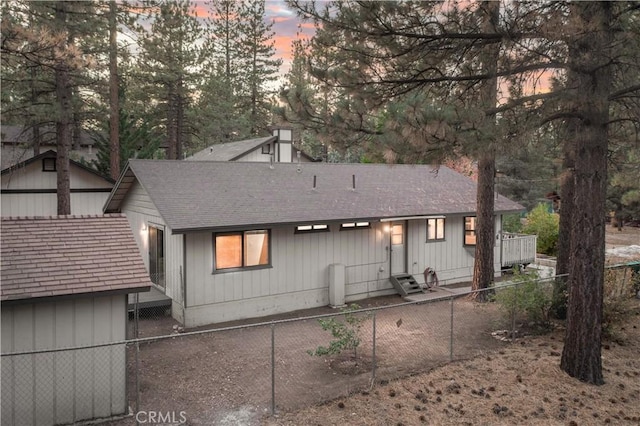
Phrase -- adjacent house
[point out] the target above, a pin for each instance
(233, 240)
(17, 144)
(275, 148)
(64, 284)
(29, 187)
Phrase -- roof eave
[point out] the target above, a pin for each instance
(263, 225)
(242, 154)
(117, 187)
(103, 293)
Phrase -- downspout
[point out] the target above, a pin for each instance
(183, 276)
(499, 237)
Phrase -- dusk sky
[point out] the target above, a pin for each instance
(286, 25)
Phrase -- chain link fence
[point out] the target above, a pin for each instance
(238, 375)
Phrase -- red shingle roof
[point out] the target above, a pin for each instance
(69, 255)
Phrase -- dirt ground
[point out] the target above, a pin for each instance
(224, 377)
(518, 384)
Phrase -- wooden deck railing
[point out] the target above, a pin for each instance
(517, 249)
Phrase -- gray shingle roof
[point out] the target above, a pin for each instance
(69, 255)
(230, 151)
(194, 195)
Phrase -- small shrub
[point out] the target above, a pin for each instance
(346, 334)
(619, 288)
(512, 223)
(546, 226)
(528, 297)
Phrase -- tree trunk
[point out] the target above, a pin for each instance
(63, 124)
(34, 121)
(180, 130)
(581, 356)
(172, 123)
(483, 270)
(563, 262)
(76, 128)
(114, 102)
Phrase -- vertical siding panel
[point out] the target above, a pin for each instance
(24, 378)
(83, 364)
(64, 361)
(321, 271)
(88, 203)
(118, 360)
(303, 240)
(315, 266)
(235, 281)
(360, 252)
(229, 288)
(207, 276)
(7, 328)
(306, 260)
(173, 264)
(102, 368)
(44, 339)
(246, 286)
(283, 239)
(118, 356)
(7, 387)
(423, 251)
(284, 265)
(203, 281)
(289, 281)
(202, 268)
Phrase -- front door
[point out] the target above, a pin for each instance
(398, 249)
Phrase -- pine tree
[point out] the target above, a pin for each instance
(168, 62)
(261, 67)
(221, 116)
(54, 43)
(425, 53)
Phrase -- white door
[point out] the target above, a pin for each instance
(398, 255)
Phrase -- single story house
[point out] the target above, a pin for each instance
(277, 148)
(233, 240)
(29, 187)
(65, 281)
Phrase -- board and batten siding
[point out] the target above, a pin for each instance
(142, 213)
(82, 203)
(256, 155)
(32, 178)
(298, 278)
(450, 259)
(66, 386)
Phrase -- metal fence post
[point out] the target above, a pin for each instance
(451, 330)
(273, 369)
(373, 369)
(515, 311)
(136, 317)
(137, 382)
